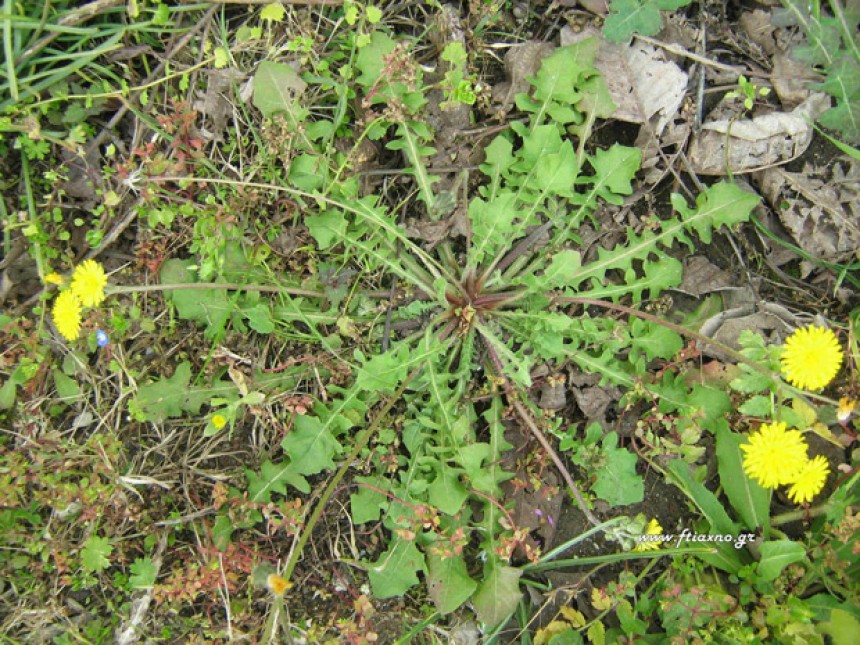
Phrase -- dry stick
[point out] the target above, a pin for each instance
(131, 629)
(111, 236)
(539, 435)
(386, 335)
(680, 51)
(227, 286)
(361, 441)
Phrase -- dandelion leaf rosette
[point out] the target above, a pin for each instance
(539, 187)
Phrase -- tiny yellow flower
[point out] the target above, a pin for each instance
(653, 528)
(67, 315)
(89, 282)
(277, 584)
(219, 421)
(53, 278)
(845, 409)
(809, 481)
(774, 456)
(811, 357)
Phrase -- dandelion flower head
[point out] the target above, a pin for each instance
(67, 315)
(774, 455)
(89, 282)
(810, 480)
(811, 357)
(646, 544)
(277, 584)
(53, 278)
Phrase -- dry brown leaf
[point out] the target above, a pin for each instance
(215, 103)
(790, 80)
(821, 214)
(701, 277)
(641, 82)
(427, 231)
(732, 328)
(552, 396)
(593, 401)
(756, 143)
(757, 25)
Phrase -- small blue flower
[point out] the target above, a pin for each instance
(102, 338)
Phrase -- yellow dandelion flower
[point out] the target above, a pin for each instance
(774, 456)
(89, 282)
(809, 481)
(277, 584)
(219, 421)
(53, 278)
(811, 357)
(67, 315)
(649, 544)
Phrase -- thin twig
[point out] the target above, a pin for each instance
(386, 335)
(188, 518)
(116, 230)
(686, 53)
(225, 592)
(527, 419)
(559, 464)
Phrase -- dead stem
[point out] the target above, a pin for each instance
(527, 419)
(213, 285)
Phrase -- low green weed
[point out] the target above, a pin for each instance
(423, 357)
(748, 91)
(497, 311)
(628, 17)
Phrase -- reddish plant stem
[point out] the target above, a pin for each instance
(497, 505)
